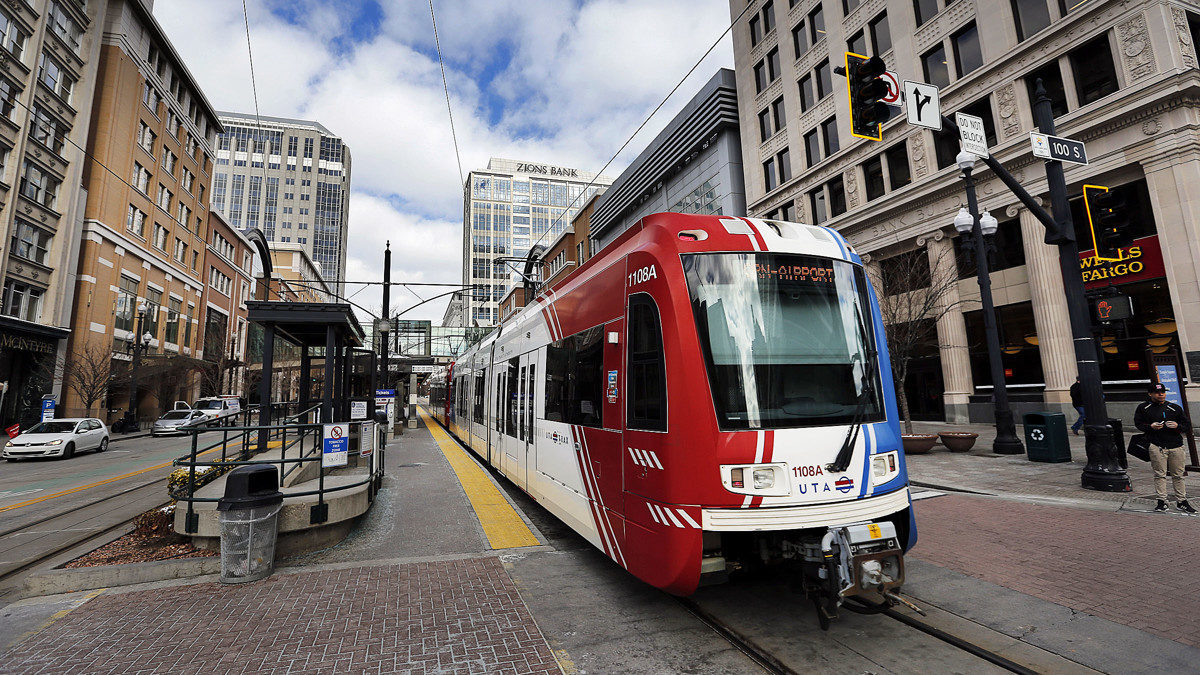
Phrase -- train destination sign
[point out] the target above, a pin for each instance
(818, 273)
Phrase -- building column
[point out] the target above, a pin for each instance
(1174, 187)
(952, 332)
(1050, 315)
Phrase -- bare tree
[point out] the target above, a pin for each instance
(90, 372)
(916, 289)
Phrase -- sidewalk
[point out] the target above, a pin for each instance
(984, 472)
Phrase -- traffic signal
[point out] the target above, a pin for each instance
(864, 81)
(1108, 220)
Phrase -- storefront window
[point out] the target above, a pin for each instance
(1020, 354)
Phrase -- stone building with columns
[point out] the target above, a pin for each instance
(1121, 76)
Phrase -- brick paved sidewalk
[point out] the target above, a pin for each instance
(1134, 569)
(459, 616)
(981, 471)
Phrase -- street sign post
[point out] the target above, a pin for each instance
(1056, 147)
(335, 445)
(923, 104)
(973, 134)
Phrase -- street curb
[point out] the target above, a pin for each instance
(55, 582)
(113, 439)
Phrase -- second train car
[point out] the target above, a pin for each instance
(706, 394)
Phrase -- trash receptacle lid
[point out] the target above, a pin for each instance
(250, 486)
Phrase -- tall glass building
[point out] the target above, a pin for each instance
(508, 208)
(290, 179)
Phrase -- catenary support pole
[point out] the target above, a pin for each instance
(264, 384)
(384, 315)
(1102, 472)
(327, 385)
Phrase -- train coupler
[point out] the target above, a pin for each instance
(868, 558)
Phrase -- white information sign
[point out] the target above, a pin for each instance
(358, 410)
(366, 439)
(423, 369)
(972, 133)
(923, 104)
(335, 445)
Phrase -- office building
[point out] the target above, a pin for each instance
(1122, 77)
(291, 180)
(508, 208)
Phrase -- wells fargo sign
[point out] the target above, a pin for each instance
(1140, 261)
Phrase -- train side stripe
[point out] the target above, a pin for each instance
(654, 456)
(688, 518)
(633, 454)
(760, 244)
(650, 508)
(671, 514)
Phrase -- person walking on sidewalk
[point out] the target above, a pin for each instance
(1077, 403)
(1164, 424)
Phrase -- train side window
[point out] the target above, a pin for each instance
(521, 405)
(510, 425)
(575, 378)
(529, 397)
(498, 420)
(556, 382)
(646, 374)
(478, 407)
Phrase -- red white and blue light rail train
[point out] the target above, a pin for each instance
(707, 394)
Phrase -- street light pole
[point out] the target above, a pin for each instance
(131, 414)
(1103, 471)
(1006, 442)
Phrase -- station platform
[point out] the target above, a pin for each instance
(455, 571)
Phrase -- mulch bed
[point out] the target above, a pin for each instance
(152, 539)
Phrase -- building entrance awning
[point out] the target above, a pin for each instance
(304, 323)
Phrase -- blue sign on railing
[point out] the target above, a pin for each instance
(335, 445)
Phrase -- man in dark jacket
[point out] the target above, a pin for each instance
(1077, 404)
(1164, 424)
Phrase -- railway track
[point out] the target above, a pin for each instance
(772, 664)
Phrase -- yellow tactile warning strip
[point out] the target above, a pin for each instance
(501, 523)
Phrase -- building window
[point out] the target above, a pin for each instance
(38, 185)
(8, 97)
(770, 179)
(153, 304)
(773, 64)
(837, 197)
(925, 10)
(881, 35)
(185, 214)
(1031, 16)
(784, 158)
(756, 31)
(788, 212)
(768, 16)
(64, 26)
(1095, 74)
(800, 39)
(47, 130)
(181, 250)
(857, 43)
(812, 148)
(29, 242)
(933, 63)
(967, 54)
(168, 161)
(808, 94)
(816, 24)
(164, 198)
(141, 178)
(186, 180)
(824, 80)
(760, 76)
(126, 303)
(160, 237)
(849, 6)
(764, 124)
(899, 174)
(778, 114)
(1068, 6)
(135, 221)
(829, 135)
(22, 300)
(1052, 81)
(55, 78)
(12, 37)
(816, 201)
(873, 177)
(146, 137)
(174, 312)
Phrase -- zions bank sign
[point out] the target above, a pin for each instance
(547, 170)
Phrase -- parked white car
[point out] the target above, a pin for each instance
(220, 410)
(171, 420)
(58, 438)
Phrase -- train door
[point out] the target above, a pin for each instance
(499, 397)
(512, 398)
(530, 366)
(645, 400)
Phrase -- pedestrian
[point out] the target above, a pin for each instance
(1077, 403)
(1164, 424)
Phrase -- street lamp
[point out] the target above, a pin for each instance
(969, 223)
(130, 422)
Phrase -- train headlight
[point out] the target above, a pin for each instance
(885, 467)
(760, 480)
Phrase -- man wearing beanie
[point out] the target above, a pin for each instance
(1164, 424)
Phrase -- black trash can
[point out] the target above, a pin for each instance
(1118, 433)
(249, 516)
(1046, 437)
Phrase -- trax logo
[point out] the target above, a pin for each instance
(844, 484)
(552, 170)
(643, 275)
(557, 437)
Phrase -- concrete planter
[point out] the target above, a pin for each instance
(958, 441)
(918, 444)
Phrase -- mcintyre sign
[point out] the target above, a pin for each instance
(548, 170)
(1139, 262)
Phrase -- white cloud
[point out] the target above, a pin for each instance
(579, 79)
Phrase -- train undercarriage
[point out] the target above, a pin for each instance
(862, 563)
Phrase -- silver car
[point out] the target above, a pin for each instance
(170, 422)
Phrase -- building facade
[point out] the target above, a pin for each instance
(229, 273)
(142, 263)
(290, 179)
(508, 208)
(694, 165)
(1121, 77)
(48, 64)
(294, 277)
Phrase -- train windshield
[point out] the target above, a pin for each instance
(788, 339)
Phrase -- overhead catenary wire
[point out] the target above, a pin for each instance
(446, 88)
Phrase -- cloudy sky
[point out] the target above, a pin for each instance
(563, 82)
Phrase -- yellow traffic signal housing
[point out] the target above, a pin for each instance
(1107, 221)
(866, 91)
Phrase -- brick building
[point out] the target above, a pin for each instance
(229, 272)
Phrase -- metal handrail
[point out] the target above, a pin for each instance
(287, 465)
